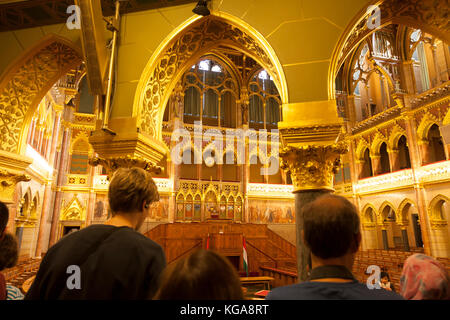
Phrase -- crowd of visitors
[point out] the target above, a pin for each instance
(115, 261)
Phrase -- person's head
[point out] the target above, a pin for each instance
(132, 190)
(331, 227)
(203, 275)
(9, 252)
(4, 217)
(384, 277)
(424, 278)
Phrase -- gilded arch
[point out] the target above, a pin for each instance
(434, 214)
(427, 15)
(381, 214)
(192, 40)
(376, 144)
(25, 83)
(447, 118)
(395, 135)
(368, 222)
(427, 122)
(361, 148)
(401, 218)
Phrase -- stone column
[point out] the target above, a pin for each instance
(62, 173)
(43, 219)
(408, 77)
(425, 151)
(312, 169)
(436, 65)
(385, 238)
(394, 160)
(405, 238)
(48, 193)
(376, 165)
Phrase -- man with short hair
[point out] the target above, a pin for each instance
(331, 230)
(111, 260)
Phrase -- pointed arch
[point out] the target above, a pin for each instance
(424, 15)
(395, 136)
(400, 215)
(25, 83)
(378, 140)
(382, 214)
(434, 212)
(182, 48)
(446, 120)
(361, 148)
(366, 220)
(425, 124)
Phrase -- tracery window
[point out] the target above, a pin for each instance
(264, 102)
(210, 94)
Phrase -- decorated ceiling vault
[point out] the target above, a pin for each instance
(353, 95)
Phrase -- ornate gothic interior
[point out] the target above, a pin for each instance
(312, 91)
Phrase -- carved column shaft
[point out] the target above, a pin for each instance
(376, 165)
(62, 173)
(312, 169)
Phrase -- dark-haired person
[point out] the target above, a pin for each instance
(385, 282)
(203, 275)
(9, 254)
(331, 230)
(4, 216)
(111, 260)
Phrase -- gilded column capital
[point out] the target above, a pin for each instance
(438, 223)
(8, 183)
(114, 163)
(312, 167)
(12, 171)
(128, 148)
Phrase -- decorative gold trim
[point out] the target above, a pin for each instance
(312, 167)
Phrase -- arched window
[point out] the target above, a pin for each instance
(210, 94)
(367, 165)
(80, 157)
(384, 159)
(437, 151)
(403, 154)
(188, 170)
(230, 170)
(265, 102)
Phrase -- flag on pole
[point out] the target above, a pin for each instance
(244, 255)
(207, 242)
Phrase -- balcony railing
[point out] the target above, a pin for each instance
(387, 181)
(270, 190)
(101, 183)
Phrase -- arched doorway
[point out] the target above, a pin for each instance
(369, 224)
(439, 213)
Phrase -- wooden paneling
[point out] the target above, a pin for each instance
(264, 247)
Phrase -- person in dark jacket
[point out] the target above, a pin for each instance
(111, 260)
(331, 229)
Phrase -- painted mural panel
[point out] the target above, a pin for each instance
(270, 211)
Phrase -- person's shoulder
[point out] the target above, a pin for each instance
(13, 293)
(289, 292)
(378, 294)
(136, 238)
